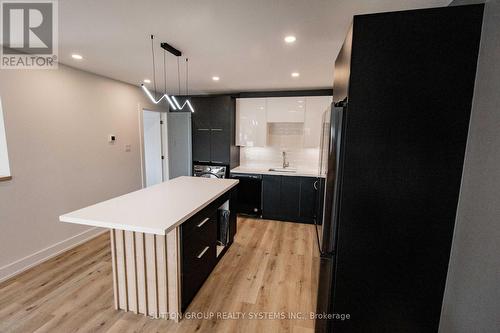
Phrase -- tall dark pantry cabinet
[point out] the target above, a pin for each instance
(403, 90)
(213, 130)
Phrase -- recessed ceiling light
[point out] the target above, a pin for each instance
(147, 81)
(290, 39)
(215, 78)
(295, 74)
(77, 56)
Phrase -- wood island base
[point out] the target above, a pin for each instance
(146, 277)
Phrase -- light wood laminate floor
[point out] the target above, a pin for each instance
(270, 270)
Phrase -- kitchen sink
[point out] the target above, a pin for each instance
(283, 170)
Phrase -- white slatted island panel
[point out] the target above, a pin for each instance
(145, 240)
(146, 272)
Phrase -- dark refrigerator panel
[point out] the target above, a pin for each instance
(327, 229)
(409, 87)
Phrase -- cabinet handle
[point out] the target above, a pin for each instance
(202, 129)
(203, 222)
(202, 252)
(216, 129)
(217, 162)
(315, 185)
(203, 161)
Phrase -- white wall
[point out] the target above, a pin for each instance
(57, 124)
(472, 294)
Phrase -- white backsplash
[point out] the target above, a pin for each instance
(288, 137)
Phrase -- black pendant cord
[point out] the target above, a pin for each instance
(154, 65)
(178, 77)
(187, 78)
(164, 73)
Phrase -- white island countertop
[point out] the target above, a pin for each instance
(156, 209)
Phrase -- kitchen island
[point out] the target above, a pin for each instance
(165, 241)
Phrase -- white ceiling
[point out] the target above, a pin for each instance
(241, 41)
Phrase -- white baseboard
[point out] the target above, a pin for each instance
(23, 264)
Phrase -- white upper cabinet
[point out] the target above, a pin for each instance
(253, 114)
(315, 106)
(286, 109)
(251, 124)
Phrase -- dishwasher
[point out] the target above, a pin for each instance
(249, 195)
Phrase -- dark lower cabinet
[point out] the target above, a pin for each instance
(289, 198)
(271, 193)
(198, 257)
(199, 247)
(308, 196)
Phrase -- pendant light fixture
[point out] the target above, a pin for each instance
(172, 101)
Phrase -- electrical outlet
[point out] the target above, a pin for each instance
(128, 148)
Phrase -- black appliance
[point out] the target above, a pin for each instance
(394, 155)
(249, 197)
(209, 171)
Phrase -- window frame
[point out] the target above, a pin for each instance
(5, 172)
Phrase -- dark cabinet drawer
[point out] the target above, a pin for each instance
(199, 223)
(198, 255)
(199, 247)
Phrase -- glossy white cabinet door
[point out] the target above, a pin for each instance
(251, 125)
(315, 106)
(285, 109)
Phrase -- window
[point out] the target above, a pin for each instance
(4, 158)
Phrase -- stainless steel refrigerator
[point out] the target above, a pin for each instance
(392, 155)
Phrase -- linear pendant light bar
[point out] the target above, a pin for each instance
(172, 101)
(176, 103)
(186, 102)
(146, 90)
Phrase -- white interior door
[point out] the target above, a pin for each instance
(153, 164)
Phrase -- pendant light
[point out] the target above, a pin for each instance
(172, 101)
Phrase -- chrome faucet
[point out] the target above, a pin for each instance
(285, 163)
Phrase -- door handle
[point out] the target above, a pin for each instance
(202, 222)
(202, 253)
